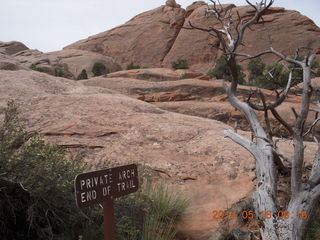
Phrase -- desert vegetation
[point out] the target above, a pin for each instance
(99, 69)
(272, 76)
(36, 68)
(132, 66)
(82, 75)
(180, 63)
(221, 71)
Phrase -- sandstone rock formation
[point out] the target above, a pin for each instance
(156, 38)
(11, 48)
(177, 136)
(116, 128)
(66, 63)
(144, 40)
(172, 3)
(8, 62)
(193, 45)
(279, 26)
(189, 153)
(196, 97)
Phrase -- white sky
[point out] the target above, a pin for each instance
(50, 25)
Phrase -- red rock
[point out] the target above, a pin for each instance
(177, 95)
(144, 40)
(66, 63)
(194, 6)
(172, 3)
(155, 38)
(11, 48)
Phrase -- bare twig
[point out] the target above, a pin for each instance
(281, 120)
(311, 127)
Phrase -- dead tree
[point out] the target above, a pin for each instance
(270, 161)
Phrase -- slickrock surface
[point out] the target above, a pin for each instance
(189, 153)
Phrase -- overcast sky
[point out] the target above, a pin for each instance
(49, 25)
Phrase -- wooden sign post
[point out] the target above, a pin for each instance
(103, 186)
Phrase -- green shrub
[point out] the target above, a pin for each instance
(183, 76)
(276, 77)
(36, 187)
(82, 75)
(180, 64)
(133, 66)
(316, 68)
(256, 69)
(99, 69)
(221, 71)
(37, 198)
(36, 68)
(58, 71)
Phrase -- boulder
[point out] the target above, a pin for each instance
(7, 62)
(193, 6)
(12, 47)
(172, 3)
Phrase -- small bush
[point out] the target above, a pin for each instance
(183, 76)
(180, 64)
(221, 71)
(58, 71)
(316, 68)
(36, 68)
(151, 213)
(99, 69)
(276, 77)
(133, 66)
(82, 75)
(36, 187)
(256, 68)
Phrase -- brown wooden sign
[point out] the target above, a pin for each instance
(99, 186)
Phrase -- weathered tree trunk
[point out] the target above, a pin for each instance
(304, 194)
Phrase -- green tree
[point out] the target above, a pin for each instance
(256, 69)
(221, 71)
(99, 69)
(316, 68)
(82, 75)
(275, 78)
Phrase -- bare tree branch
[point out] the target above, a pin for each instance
(250, 146)
(311, 127)
(281, 120)
(278, 101)
(266, 116)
